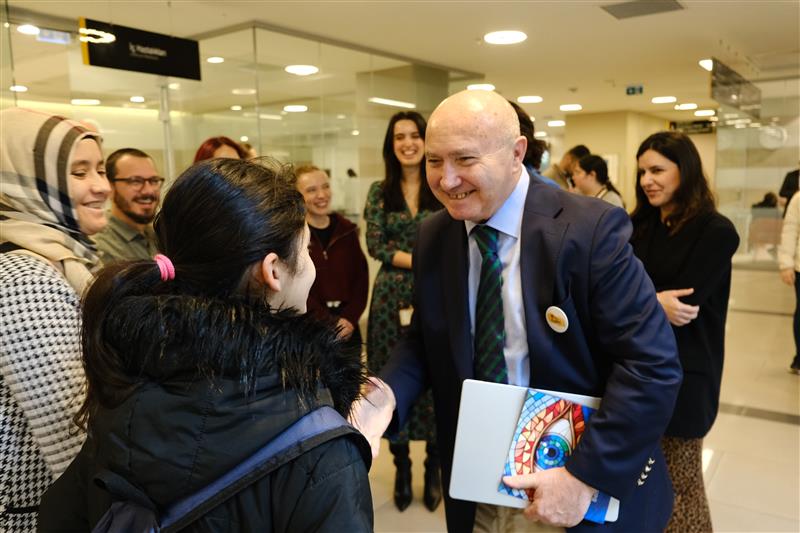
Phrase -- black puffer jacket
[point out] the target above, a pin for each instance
(192, 419)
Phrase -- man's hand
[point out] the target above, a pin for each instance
(372, 413)
(678, 313)
(787, 275)
(345, 328)
(559, 499)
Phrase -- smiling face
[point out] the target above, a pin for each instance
(474, 154)
(139, 205)
(88, 186)
(659, 178)
(315, 186)
(409, 148)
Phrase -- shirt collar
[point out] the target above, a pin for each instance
(128, 233)
(508, 219)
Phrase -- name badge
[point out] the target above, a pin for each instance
(405, 316)
(556, 319)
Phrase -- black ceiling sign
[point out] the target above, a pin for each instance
(124, 48)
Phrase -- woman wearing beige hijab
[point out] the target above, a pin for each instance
(53, 193)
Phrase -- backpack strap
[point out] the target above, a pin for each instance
(313, 429)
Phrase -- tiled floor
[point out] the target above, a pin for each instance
(752, 460)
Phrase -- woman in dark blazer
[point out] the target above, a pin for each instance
(686, 246)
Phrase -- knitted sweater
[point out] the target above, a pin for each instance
(41, 383)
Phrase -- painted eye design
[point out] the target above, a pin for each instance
(554, 447)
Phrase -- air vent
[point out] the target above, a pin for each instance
(640, 8)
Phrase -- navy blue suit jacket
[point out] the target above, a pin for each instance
(619, 346)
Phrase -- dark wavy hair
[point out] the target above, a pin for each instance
(596, 164)
(536, 148)
(218, 220)
(693, 196)
(209, 146)
(392, 190)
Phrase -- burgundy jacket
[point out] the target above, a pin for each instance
(342, 273)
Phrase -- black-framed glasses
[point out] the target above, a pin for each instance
(137, 182)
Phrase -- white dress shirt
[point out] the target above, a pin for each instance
(508, 222)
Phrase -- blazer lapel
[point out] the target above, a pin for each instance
(454, 275)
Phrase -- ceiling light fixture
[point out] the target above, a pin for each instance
(267, 116)
(215, 59)
(540, 134)
(355, 132)
(341, 116)
(390, 102)
(28, 29)
(505, 37)
(556, 123)
(85, 101)
(480, 87)
(295, 108)
(685, 107)
(301, 70)
(704, 113)
(244, 138)
(243, 92)
(570, 107)
(236, 108)
(707, 64)
(137, 99)
(174, 86)
(18, 89)
(663, 99)
(530, 99)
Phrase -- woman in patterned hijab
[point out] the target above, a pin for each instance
(52, 198)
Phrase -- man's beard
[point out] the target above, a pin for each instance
(125, 207)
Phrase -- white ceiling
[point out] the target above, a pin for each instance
(575, 53)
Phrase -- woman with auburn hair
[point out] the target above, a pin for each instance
(216, 147)
(590, 175)
(198, 358)
(395, 208)
(686, 246)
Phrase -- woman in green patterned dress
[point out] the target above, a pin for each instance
(395, 207)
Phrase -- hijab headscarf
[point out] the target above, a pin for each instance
(36, 211)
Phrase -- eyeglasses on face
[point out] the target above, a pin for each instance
(137, 182)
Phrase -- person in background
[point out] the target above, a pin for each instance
(789, 265)
(197, 359)
(395, 208)
(339, 293)
(216, 147)
(136, 188)
(590, 176)
(686, 246)
(790, 185)
(53, 196)
(250, 150)
(536, 148)
(561, 172)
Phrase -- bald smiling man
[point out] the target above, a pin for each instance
(546, 248)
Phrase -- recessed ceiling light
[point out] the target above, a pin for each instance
(685, 107)
(704, 113)
(393, 103)
(236, 108)
(570, 107)
(244, 138)
(663, 99)
(341, 116)
(707, 64)
(137, 99)
(243, 92)
(295, 108)
(505, 37)
(354, 132)
(267, 116)
(540, 134)
(215, 59)
(28, 29)
(480, 87)
(174, 86)
(301, 70)
(18, 89)
(530, 99)
(556, 123)
(85, 101)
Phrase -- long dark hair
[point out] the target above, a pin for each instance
(596, 164)
(219, 219)
(392, 191)
(693, 196)
(536, 147)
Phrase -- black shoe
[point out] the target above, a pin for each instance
(402, 480)
(795, 366)
(432, 496)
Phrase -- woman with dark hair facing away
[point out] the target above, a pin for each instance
(686, 247)
(395, 208)
(535, 149)
(339, 293)
(195, 360)
(52, 198)
(217, 147)
(590, 175)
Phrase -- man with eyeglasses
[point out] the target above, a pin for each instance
(136, 188)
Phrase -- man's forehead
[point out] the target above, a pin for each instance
(132, 163)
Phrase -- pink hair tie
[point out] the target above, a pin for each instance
(165, 266)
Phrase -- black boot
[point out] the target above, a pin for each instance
(433, 478)
(402, 480)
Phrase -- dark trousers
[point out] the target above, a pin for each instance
(796, 319)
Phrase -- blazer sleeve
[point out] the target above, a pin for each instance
(645, 375)
(378, 245)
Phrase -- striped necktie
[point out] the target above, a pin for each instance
(490, 334)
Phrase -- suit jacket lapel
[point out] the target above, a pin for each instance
(454, 276)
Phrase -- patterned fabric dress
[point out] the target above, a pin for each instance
(41, 384)
(387, 233)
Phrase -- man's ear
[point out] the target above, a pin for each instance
(269, 272)
(520, 147)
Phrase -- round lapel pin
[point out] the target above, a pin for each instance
(556, 319)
